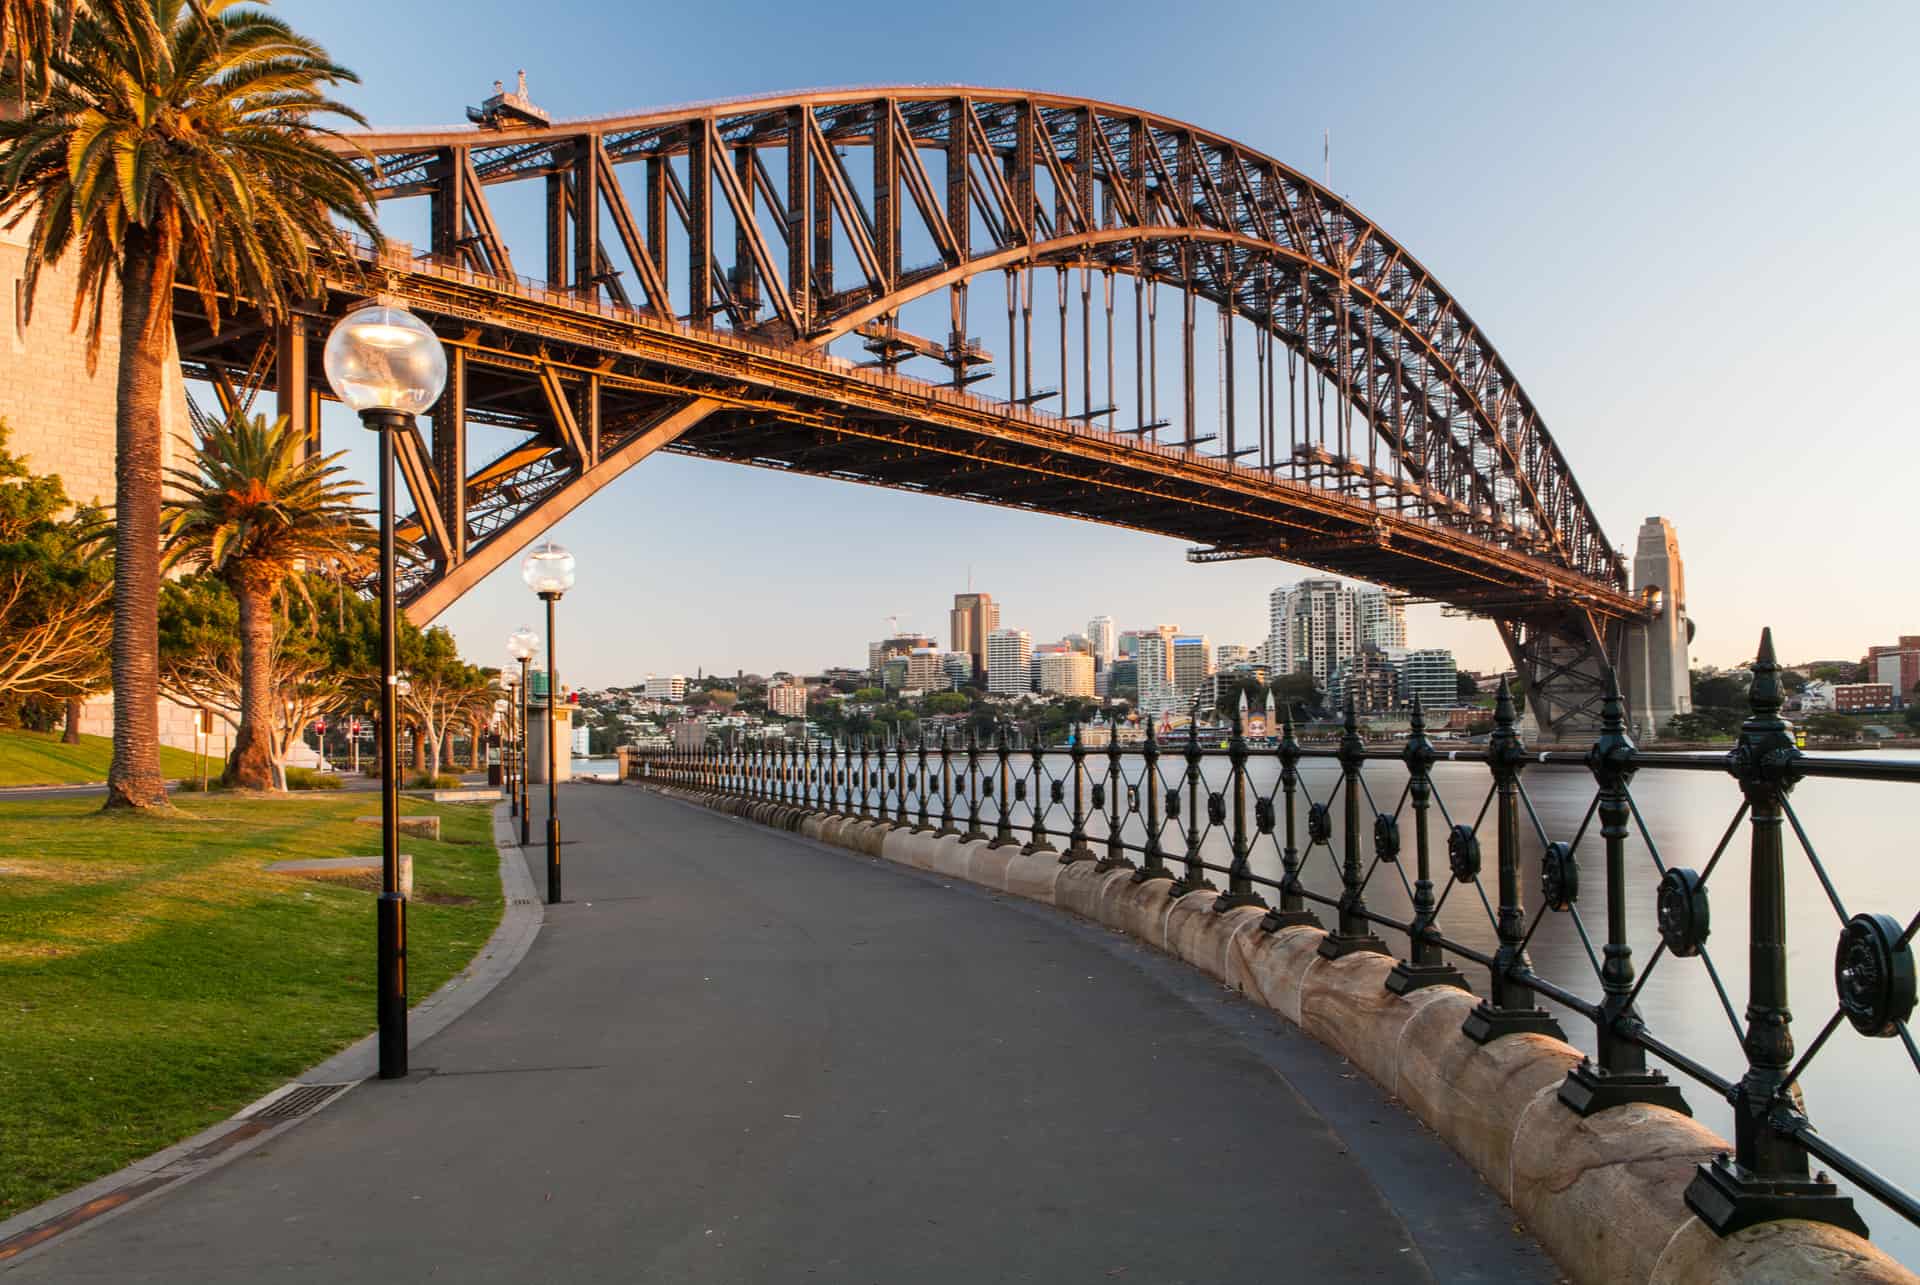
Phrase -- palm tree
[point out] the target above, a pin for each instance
(256, 510)
(176, 139)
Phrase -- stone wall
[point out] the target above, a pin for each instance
(1603, 1194)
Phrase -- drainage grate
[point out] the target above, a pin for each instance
(298, 1100)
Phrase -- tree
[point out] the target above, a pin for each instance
(946, 703)
(1466, 688)
(1832, 727)
(254, 510)
(443, 690)
(1297, 690)
(175, 139)
(54, 590)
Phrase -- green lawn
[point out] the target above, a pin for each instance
(38, 758)
(154, 977)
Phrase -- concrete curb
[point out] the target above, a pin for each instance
(1602, 1194)
(32, 1230)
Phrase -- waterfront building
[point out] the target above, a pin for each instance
(1063, 671)
(1897, 665)
(1229, 654)
(1310, 627)
(971, 623)
(1855, 698)
(1153, 655)
(1379, 618)
(1009, 662)
(1371, 678)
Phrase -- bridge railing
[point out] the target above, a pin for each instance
(1251, 825)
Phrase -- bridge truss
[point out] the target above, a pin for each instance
(701, 264)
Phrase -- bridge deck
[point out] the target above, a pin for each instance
(737, 1056)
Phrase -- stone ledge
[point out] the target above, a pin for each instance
(1602, 1194)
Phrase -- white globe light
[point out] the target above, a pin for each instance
(523, 644)
(402, 686)
(381, 358)
(548, 569)
(500, 706)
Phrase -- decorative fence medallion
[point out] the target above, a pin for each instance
(1319, 823)
(1873, 971)
(1217, 809)
(1099, 794)
(1685, 919)
(1559, 877)
(1263, 815)
(1463, 853)
(1386, 837)
(1058, 791)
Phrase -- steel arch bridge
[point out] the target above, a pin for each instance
(699, 261)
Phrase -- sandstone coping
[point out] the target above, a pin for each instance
(1603, 1194)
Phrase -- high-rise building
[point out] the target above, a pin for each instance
(1153, 654)
(1379, 618)
(1192, 664)
(972, 621)
(1311, 626)
(1063, 671)
(1100, 631)
(671, 687)
(787, 699)
(1009, 662)
(1230, 654)
(1127, 646)
(1370, 678)
(925, 673)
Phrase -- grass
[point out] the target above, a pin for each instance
(154, 977)
(39, 758)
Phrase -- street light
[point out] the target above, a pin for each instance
(548, 571)
(386, 365)
(523, 645)
(502, 732)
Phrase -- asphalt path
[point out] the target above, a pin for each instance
(734, 1055)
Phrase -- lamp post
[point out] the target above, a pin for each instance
(523, 645)
(548, 571)
(385, 364)
(502, 730)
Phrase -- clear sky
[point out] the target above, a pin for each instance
(1689, 229)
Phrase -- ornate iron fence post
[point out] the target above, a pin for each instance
(922, 822)
(1003, 826)
(1036, 773)
(1766, 1178)
(1425, 965)
(1620, 1074)
(1240, 876)
(836, 769)
(1153, 862)
(1116, 854)
(1195, 879)
(1077, 849)
(973, 784)
(1508, 1008)
(1354, 932)
(946, 786)
(866, 774)
(1292, 911)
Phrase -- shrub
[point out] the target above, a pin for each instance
(305, 778)
(441, 782)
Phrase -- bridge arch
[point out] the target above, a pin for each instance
(651, 332)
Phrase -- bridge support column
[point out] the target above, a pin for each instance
(1654, 666)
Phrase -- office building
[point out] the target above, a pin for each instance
(1153, 655)
(670, 687)
(1192, 663)
(971, 622)
(1379, 618)
(1230, 654)
(957, 666)
(1370, 678)
(1898, 666)
(1009, 662)
(1311, 628)
(879, 653)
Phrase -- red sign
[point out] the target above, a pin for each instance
(356, 727)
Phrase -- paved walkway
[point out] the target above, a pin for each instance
(735, 1056)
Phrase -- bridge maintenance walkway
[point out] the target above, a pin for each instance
(736, 1056)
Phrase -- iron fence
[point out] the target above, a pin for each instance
(1192, 814)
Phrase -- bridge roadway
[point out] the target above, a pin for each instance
(738, 1056)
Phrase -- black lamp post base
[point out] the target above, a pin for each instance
(1487, 1023)
(1338, 945)
(1728, 1198)
(1588, 1089)
(1408, 977)
(391, 930)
